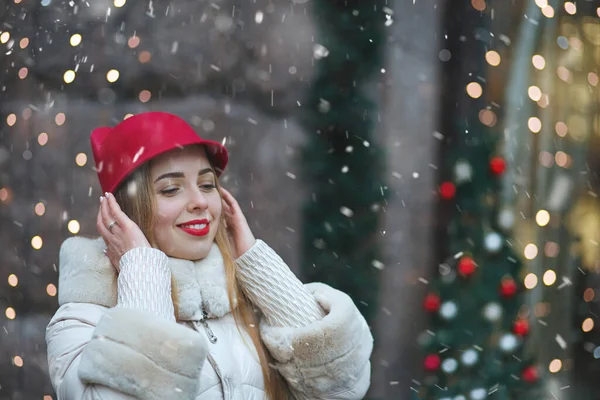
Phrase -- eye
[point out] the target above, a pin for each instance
(208, 186)
(169, 191)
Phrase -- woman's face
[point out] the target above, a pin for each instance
(188, 204)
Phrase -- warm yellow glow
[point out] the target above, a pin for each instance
(479, 5)
(561, 129)
(36, 242)
(541, 3)
(18, 361)
(534, 124)
(4, 37)
(119, 3)
(69, 76)
(570, 8)
(549, 277)
(10, 313)
(39, 209)
(593, 79)
(11, 119)
(538, 61)
(530, 281)
(530, 251)
(133, 42)
(112, 75)
(81, 159)
(548, 11)
(75, 40)
(127, 116)
(488, 117)
(563, 73)
(587, 325)
(562, 159)
(542, 217)
(145, 96)
(73, 226)
(145, 56)
(474, 90)
(23, 72)
(534, 92)
(551, 249)
(555, 365)
(23, 43)
(60, 119)
(493, 58)
(588, 295)
(13, 280)
(51, 290)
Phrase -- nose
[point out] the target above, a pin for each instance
(197, 201)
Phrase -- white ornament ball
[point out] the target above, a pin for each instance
(508, 342)
(506, 219)
(493, 242)
(463, 172)
(469, 357)
(478, 394)
(448, 310)
(492, 311)
(449, 365)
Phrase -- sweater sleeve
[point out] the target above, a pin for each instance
(144, 282)
(275, 290)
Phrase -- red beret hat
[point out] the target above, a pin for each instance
(120, 150)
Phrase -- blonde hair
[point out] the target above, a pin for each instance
(135, 196)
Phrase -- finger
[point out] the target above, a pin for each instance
(107, 218)
(115, 210)
(230, 200)
(100, 225)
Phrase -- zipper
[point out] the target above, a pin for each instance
(211, 336)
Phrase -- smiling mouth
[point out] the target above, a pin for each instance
(196, 229)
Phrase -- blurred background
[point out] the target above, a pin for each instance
(437, 160)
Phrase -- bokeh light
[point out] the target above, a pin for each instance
(530, 281)
(549, 277)
(493, 58)
(36, 242)
(555, 365)
(81, 159)
(587, 325)
(542, 217)
(39, 209)
(73, 226)
(51, 290)
(112, 75)
(474, 90)
(75, 39)
(534, 124)
(10, 313)
(13, 280)
(539, 62)
(530, 251)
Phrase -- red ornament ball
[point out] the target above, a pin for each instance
(432, 362)
(497, 165)
(432, 302)
(530, 374)
(466, 266)
(521, 327)
(447, 190)
(508, 287)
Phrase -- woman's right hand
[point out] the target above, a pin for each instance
(123, 235)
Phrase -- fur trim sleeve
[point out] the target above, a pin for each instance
(122, 353)
(328, 359)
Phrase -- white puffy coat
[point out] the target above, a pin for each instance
(99, 351)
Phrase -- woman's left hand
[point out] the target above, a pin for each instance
(238, 227)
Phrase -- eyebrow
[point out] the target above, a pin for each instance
(182, 175)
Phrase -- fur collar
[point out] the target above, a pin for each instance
(86, 276)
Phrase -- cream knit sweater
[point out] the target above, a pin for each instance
(145, 283)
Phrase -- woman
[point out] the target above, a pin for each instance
(178, 300)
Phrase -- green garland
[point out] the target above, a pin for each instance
(341, 162)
